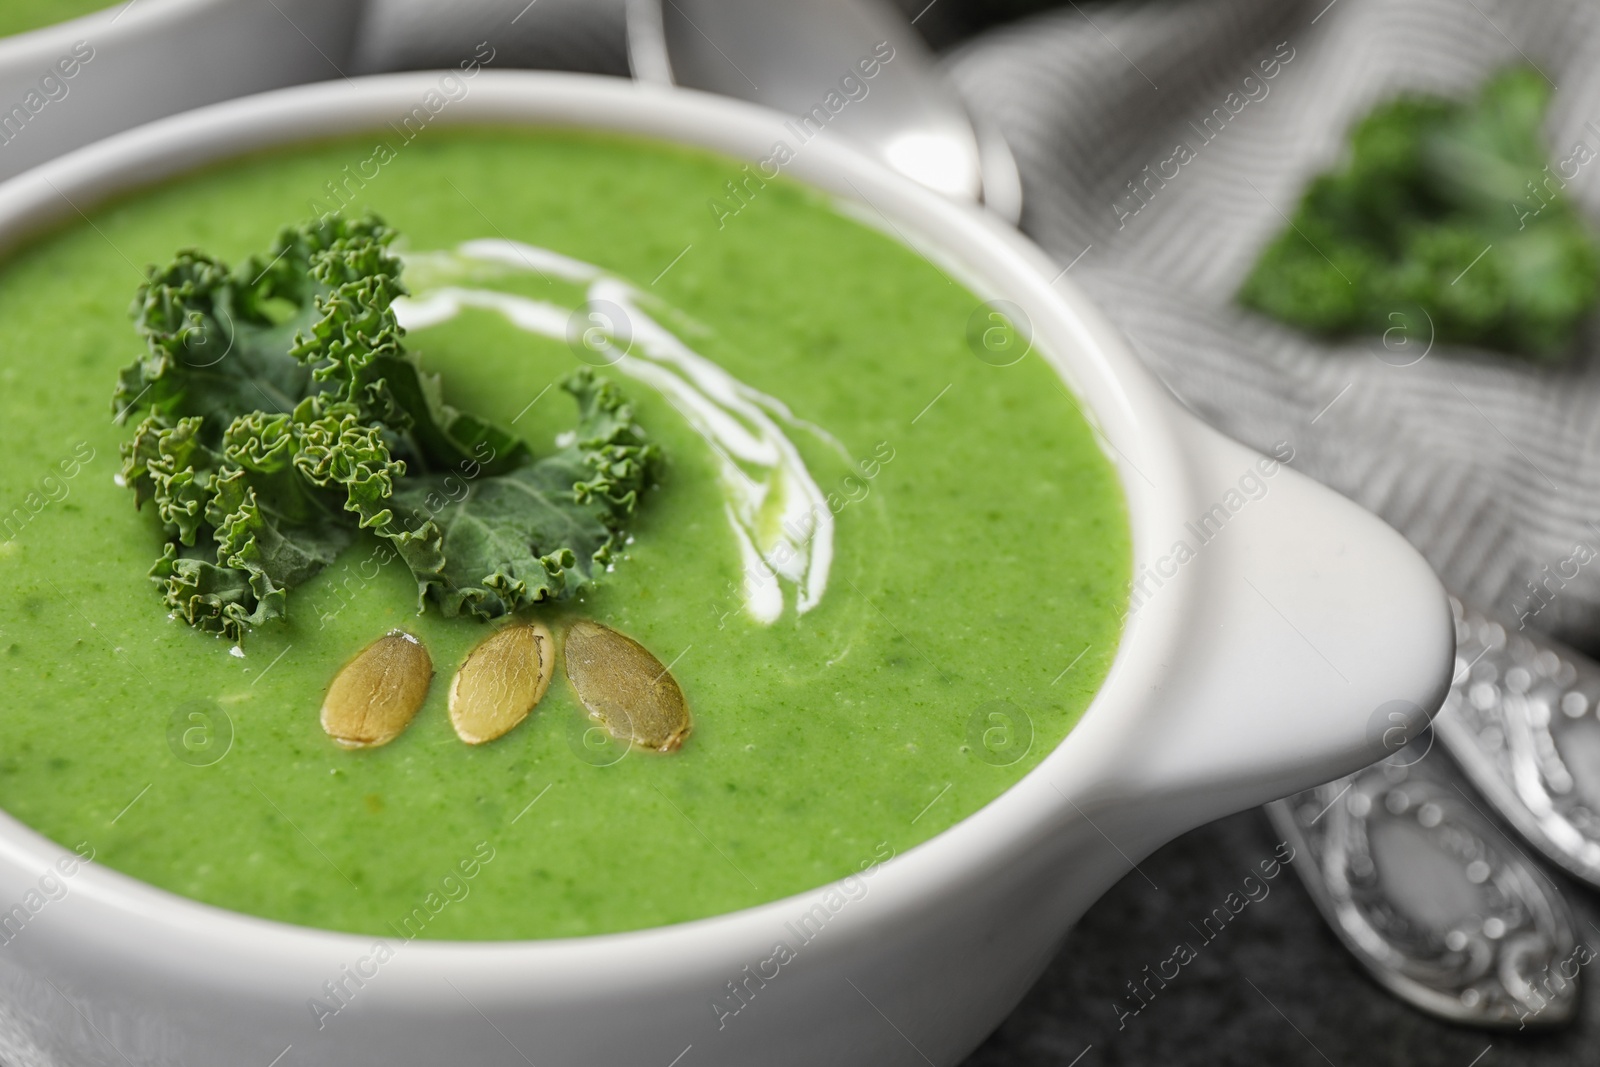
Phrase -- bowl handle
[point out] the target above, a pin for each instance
(1311, 640)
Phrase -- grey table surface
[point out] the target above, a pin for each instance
(1273, 987)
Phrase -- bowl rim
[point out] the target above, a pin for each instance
(94, 26)
(1124, 403)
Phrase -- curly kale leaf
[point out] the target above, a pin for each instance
(542, 531)
(310, 317)
(282, 415)
(1446, 220)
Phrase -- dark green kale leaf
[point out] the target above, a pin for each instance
(1444, 220)
(283, 414)
(541, 531)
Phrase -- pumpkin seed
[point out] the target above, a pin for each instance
(501, 682)
(376, 695)
(625, 688)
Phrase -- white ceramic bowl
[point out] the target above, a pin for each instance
(1254, 670)
(134, 62)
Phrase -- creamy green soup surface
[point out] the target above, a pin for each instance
(19, 16)
(980, 556)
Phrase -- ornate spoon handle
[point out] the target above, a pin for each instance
(1444, 909)
(1521, 721)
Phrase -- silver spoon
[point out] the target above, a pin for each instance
(1459, 922)
(1523, 721)
(809, 58)
(1440, 907)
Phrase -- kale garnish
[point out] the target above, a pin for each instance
(283, 414)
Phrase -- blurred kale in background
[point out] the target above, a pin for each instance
(1448, 207)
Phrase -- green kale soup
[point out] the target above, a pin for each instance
(19, 16)
(886, 575)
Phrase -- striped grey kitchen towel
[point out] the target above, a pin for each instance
(1218, 112)
(1488, 465)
